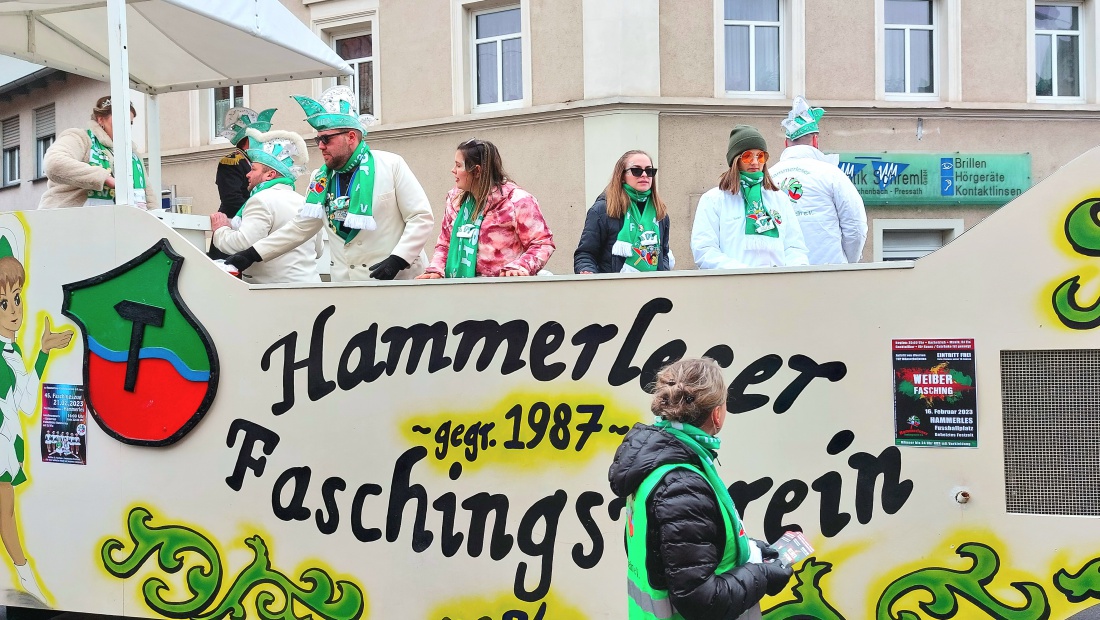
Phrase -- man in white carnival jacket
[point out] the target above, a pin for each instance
(277, 158)
(379, 218)
(827, 204)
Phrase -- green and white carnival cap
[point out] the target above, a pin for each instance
(282, 151)
(802, 119)
(237, 120)
(338, 108)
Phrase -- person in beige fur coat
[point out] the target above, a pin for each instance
(80, 165)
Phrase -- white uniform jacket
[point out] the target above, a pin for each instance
(827, 205)
(264, 213)
(718, 239)
(404, 218)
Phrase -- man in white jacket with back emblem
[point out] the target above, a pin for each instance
(277, 158)
(378, 216)
(827, 204)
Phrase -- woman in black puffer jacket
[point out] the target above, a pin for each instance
(630, 198)
(688, 556)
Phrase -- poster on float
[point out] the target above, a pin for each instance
(64, 425)
(935, 399)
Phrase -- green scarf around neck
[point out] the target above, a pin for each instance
(352, 207)
(101, 155)
(256, 190)
(639, 240)
(757, 219)
(705, 446)
(462, 252)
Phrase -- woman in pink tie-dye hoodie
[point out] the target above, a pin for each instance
(492, 227)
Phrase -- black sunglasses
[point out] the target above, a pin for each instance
(638, 170)
(325, 139)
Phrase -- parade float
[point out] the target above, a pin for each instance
(192, 447)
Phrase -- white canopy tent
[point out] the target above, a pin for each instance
(160, 46)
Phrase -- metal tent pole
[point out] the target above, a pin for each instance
(120, 101)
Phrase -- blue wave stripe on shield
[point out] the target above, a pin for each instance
(146, 353)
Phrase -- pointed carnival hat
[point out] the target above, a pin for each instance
(338, 108)
(237, 120)
(802, 119)
(282, 151)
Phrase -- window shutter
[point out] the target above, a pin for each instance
(11, 132)
(44, 122)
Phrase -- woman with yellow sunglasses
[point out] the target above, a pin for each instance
(746, 221)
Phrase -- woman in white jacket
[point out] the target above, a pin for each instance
(746, 221)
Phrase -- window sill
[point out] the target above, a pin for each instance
(776, 95)
(499, 107)
(39, 180)
(910, 97)
(1061, 100)
(10, 185)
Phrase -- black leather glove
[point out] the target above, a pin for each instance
(767, 552)
(388, 268)
(244, 259)
(777, 574)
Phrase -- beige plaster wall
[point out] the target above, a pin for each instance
(994, 50)
(687, 48)
(557, 51)
(840, 49)
(416, 67)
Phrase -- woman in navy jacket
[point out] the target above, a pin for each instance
(630, 202)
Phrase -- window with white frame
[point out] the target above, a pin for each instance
(224, 98)
(9, 129)
(1058, 51)
(44, 131)
(910, 47)
(358, 51)
(497, 56)
(753, 33)
(911, 239)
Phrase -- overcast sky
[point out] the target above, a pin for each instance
(12, 69)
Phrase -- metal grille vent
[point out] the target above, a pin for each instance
(1051, 407)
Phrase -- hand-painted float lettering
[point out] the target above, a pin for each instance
(360, 359)
(537, 531)
(535, 536)
(790, 495)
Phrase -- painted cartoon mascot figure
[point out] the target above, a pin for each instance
(19, 388)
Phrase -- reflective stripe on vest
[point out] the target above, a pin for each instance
(660, 608)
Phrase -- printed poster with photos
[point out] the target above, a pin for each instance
(934, 393)
(64, 424)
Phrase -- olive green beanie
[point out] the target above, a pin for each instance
(743, 138)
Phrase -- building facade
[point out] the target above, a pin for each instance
(566, 86)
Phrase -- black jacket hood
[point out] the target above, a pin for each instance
(643, 450)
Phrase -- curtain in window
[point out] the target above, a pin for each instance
(895, 61)
(737, 58)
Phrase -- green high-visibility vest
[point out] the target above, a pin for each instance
(644, 601)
